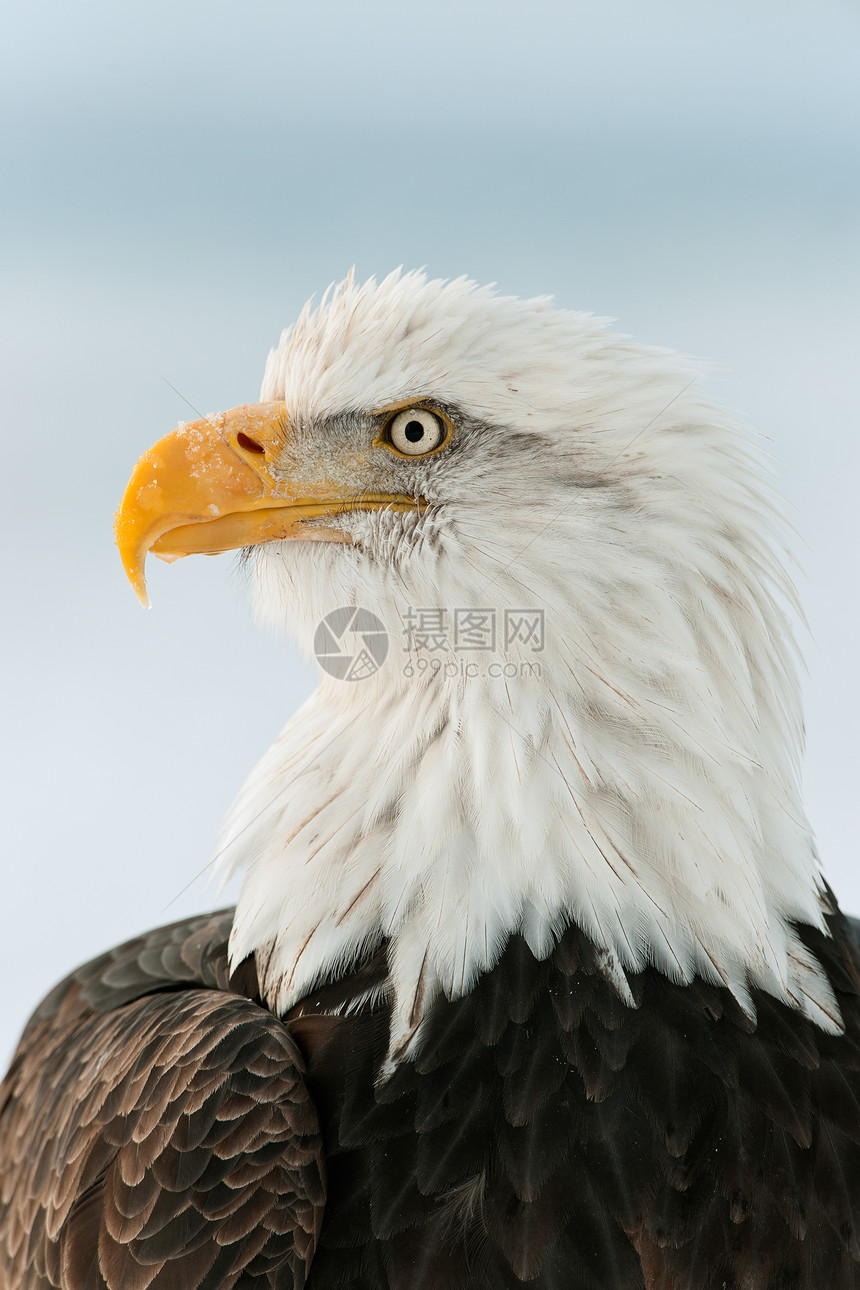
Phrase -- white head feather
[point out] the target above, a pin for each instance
(638, 776)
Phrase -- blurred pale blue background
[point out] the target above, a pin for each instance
(180, 176)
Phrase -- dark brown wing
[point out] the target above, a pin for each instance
(165, 1141)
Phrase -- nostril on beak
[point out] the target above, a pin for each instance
(250, 445)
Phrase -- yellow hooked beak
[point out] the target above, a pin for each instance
(213, 486)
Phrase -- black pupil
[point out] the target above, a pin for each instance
(414, 431)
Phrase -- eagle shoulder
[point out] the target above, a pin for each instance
(155, 1130)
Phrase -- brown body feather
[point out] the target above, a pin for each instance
(155, 1133)
(156, 1130)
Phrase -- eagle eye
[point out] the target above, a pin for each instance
(414, 432)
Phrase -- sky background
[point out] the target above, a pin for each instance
(180, 176)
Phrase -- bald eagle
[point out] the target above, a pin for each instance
(534, 979)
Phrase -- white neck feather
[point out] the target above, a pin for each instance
(631, 778)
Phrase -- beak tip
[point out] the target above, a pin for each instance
(132, 553)
(139, 588)
(135, 574)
